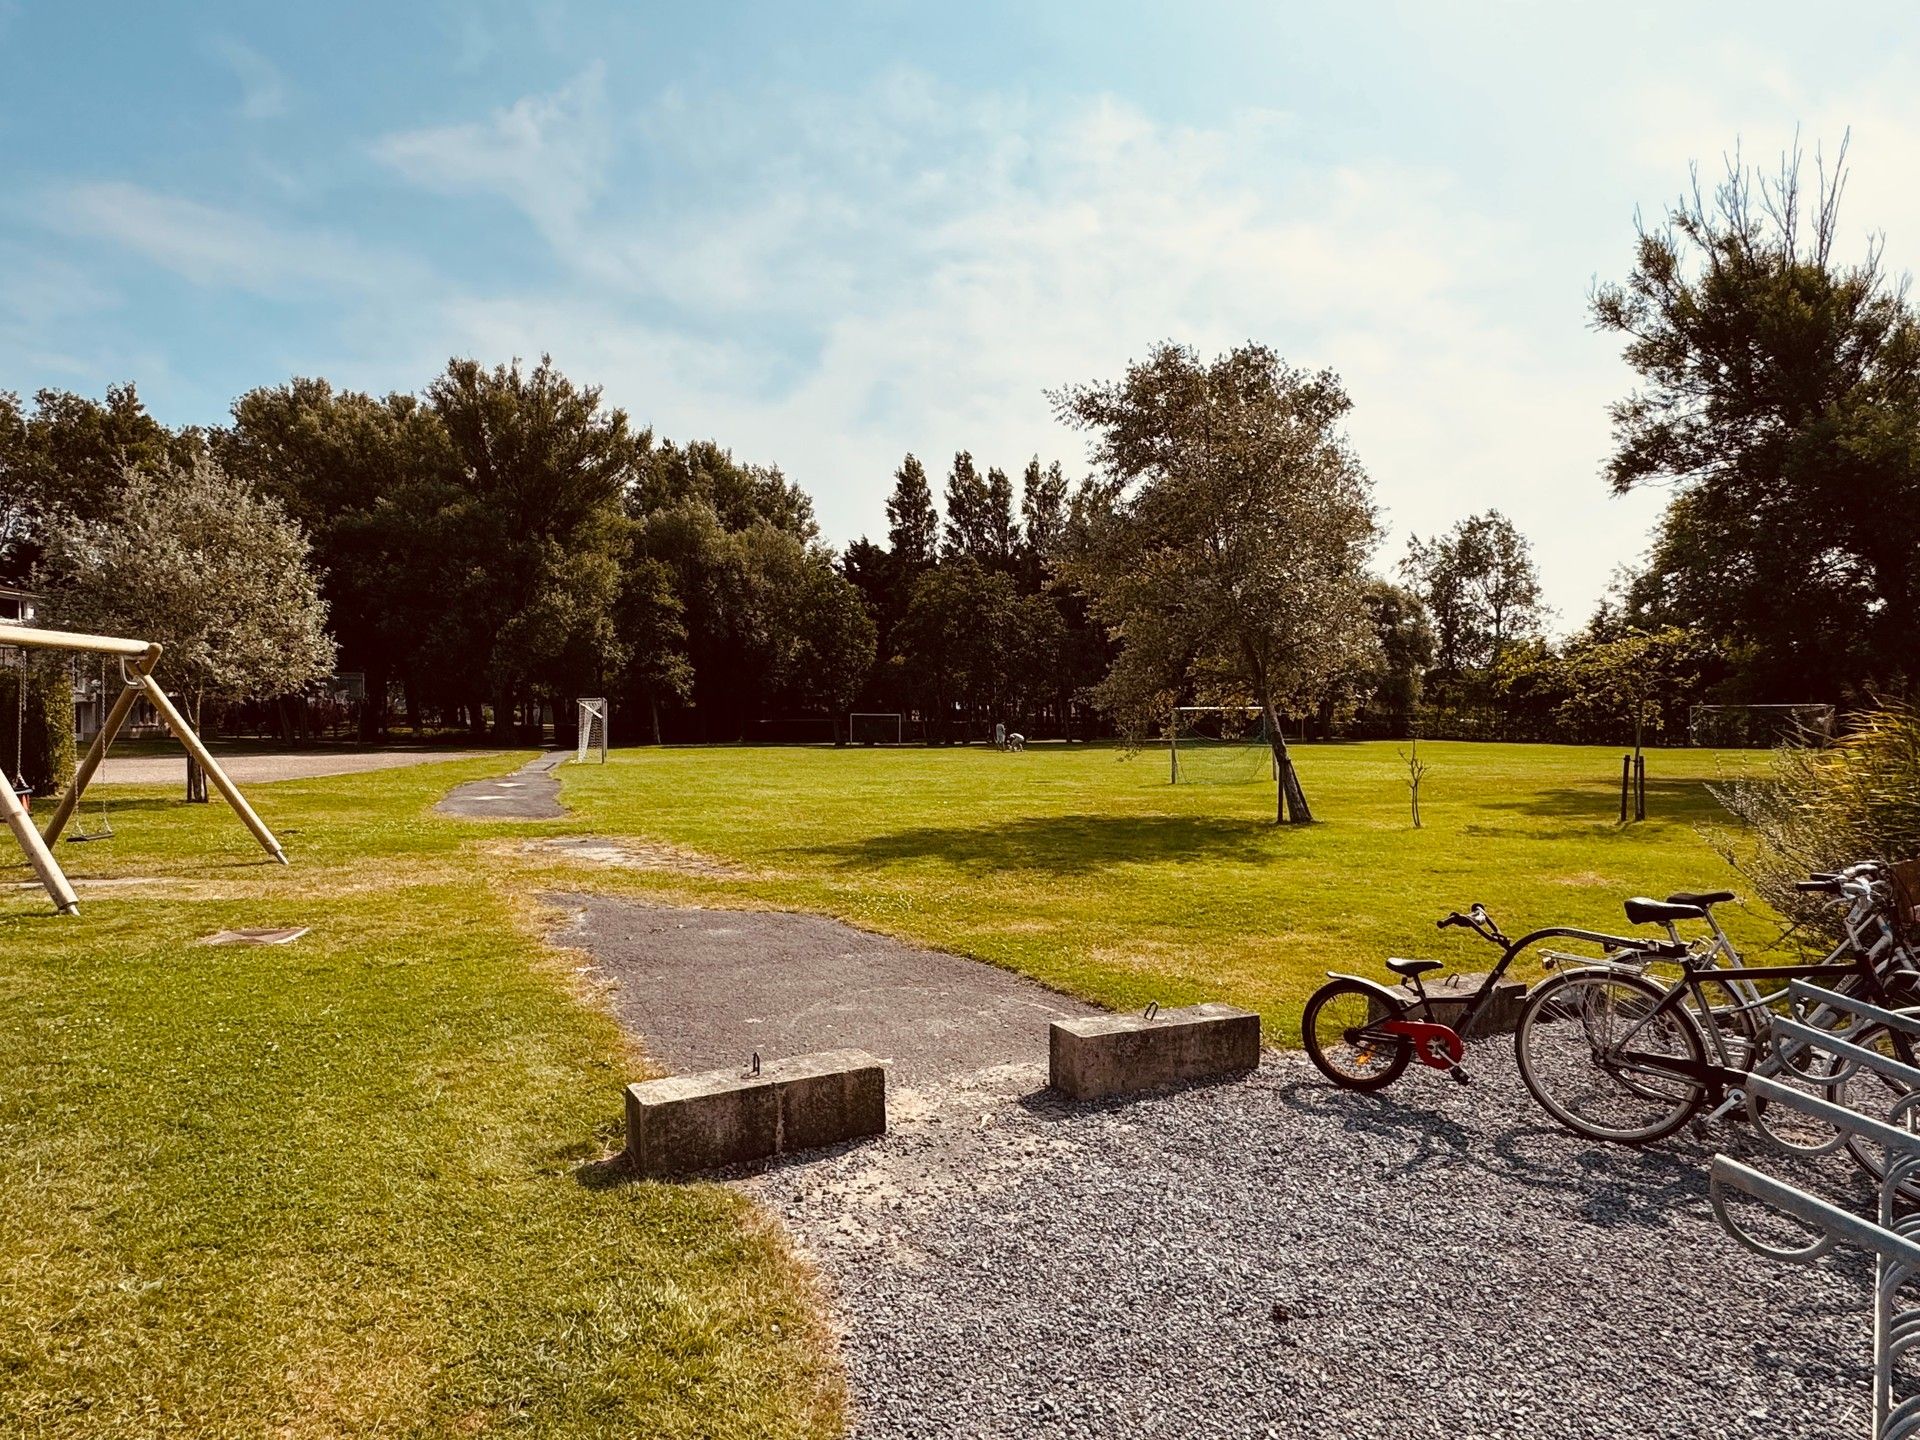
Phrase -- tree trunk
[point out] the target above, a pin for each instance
(503, 717)
(196, 777)
(653, 706)
(1290, 801)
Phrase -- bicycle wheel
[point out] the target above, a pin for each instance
(1572, 1044)
(1334, 1028)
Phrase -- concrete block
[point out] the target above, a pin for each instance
(685, 1124)
(1450, 994)
(1104, 1055)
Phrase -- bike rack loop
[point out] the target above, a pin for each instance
(1892, 1239)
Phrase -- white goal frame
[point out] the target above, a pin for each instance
(1819, 719)
(1173, 734)
(593, 720)
(899, 725)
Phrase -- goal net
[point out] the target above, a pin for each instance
(593, 728)
(1220, 745)
(1759, 726)
(874, 727)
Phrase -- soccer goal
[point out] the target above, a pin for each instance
(1220, 745)
(593, 728)
(875, 727)
(1736, 727)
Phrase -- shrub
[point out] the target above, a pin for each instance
(43, 754)
(1820, 809)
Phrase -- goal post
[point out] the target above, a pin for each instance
(1220, 745)
(593, 728)
(875, 727)
(1756, 727)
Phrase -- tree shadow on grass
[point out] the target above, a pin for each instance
(1059, 844)
(1589, 806)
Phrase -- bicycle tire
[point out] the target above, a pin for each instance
(1328, 1060)
(1550, 1055)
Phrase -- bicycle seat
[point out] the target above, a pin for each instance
(1411, 968)
(1642, 911)
(1702, 898)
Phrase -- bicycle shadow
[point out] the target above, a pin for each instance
(1612, 1186)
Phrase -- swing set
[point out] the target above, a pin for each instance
(136, 660)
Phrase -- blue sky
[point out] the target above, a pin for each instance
(828, 235)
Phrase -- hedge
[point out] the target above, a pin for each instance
(47, 760)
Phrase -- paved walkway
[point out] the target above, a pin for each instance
(530, 793)
(1270, 1257)
(256, 769)
(705, 988)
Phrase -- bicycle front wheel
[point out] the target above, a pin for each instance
(1335, 1027)
(1594, 1055)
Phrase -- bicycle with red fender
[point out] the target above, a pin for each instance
(1362, 1035)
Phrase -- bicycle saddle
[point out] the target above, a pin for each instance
(1411, 968)
(1642, 911)
(1702, 898)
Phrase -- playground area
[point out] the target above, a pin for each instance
(450, 1038)
(254, 767)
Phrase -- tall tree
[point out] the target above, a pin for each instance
(1479, 584)
(1002, 532)
(913, 526)
(217, 574)
(1780, 398)
(1043, 507)
(542, 468)
(66, 458)
(1224, 547)
(969, 511)
(1406, 649)
(372, 482)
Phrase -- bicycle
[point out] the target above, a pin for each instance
(1612, 1055)
(1362, 1036)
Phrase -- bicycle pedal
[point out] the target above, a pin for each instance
(1459, 1073)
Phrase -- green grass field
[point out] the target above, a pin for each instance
(346, 1187)
(1086, 869)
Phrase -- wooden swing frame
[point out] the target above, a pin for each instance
(137, 659)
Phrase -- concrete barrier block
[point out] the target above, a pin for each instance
(830, 1097)
(685, 1124)
(1104, 1055)
(1450, 994)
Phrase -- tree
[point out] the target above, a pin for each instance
(1043, 517)
(66, 458)
(651, 621)
(1780, 398)
(1406, 649)
(913, 525)
(541, 469)
(216, 573)
(1224, 546)
(1002, 532)
(1479, 585)
(969, 511)
(372, 482)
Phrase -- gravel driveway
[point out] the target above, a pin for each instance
(1267, 1257)
(1274, 1258)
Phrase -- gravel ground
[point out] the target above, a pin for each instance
(1276, 1258)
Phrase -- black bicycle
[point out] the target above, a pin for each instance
(1613, 1054)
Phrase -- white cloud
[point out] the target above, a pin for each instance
(263, 89)
(215, 246)
(547, 155)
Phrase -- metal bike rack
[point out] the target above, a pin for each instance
(1892, 1238)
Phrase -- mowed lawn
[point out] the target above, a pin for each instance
(346, 1187)
(349, 1186)
(1084, 868)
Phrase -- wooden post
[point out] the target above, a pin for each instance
(1626, 784)
(41, 858)
(104, 737)
(1639, 787)
(183, 732)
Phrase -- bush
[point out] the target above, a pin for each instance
(46, 763)
(1820, 809)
